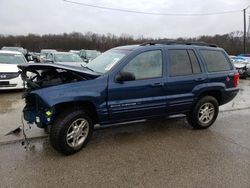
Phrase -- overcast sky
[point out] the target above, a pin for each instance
(58, 16)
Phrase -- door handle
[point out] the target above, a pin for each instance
(158, 84)
(199, 79)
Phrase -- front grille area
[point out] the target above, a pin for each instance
(8, 75)
(6, 84)
(10, 85)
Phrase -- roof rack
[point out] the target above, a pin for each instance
(172, 42)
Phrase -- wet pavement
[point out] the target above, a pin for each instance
(166, 153)
(11, 105)
(153, 154)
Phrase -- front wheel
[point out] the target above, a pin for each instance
(204, 113)
(71, 131)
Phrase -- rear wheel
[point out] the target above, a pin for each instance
(204, 113)
(71, 131)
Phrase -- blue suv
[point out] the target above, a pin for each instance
(127, 83)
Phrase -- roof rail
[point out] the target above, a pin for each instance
(173, 42)
(147, 43)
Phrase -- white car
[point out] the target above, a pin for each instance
(242, 64)
(9, 72)
(65, 58)
(44, 53)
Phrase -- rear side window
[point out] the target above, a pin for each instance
(194, 62)
(183, 62)
(215, 61)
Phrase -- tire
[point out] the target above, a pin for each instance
(46, 129)
(244, 77)
(71, 131)
(201, 116)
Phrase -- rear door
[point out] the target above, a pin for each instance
(184, 73)
(144, 96)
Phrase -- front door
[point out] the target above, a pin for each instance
(142, 97)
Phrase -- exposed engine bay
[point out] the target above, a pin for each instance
(46, 75)
(46, 78)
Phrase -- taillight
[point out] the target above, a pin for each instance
(236, 79)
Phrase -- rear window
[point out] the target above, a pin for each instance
(215, 61)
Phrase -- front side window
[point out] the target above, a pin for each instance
(215, 61)
(146, 65)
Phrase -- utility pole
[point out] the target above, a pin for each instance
(248, 30)
(244, 37)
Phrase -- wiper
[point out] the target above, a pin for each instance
(87, 68)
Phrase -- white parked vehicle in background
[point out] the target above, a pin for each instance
(75, 52)
(65, 58)
(9, 72)
(16, 49)
(44, 53)
(242, 64)
(88, 55)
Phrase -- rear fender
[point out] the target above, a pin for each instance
(213, 88)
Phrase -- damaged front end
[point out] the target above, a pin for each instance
(36, 111)
(242, 69)
(39, 78)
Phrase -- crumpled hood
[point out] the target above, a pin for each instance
(8, 67)
(47, 66)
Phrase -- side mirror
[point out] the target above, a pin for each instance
(124, 76)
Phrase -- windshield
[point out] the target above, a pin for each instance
(12, 59)
(67, 58)
(106, 61)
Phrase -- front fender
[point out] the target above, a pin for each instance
(94, 91)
